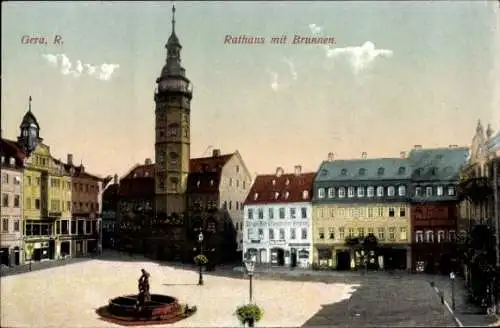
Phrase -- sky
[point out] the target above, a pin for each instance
(399, 74)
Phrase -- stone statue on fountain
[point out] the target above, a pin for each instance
(144, 296)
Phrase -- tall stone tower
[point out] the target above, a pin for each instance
(172, 142)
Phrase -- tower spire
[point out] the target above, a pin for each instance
(173, 18)
(29, 103)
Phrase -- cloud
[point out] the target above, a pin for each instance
(360, 57)
(103, 72)
(315, 29)
(293, 72)
(274, 81)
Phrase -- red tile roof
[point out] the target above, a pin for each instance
(288, 187)
(209, 164)
(9, 148)
(141, 171)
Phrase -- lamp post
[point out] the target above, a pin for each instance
(200, 277)
(250, 266)
(452, 279)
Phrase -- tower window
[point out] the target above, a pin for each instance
(174, 182)
(173, 130)
(173, 158)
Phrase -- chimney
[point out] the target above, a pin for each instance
(82, 168)
(331, 157)
(298, 169)
(216, 153)
(115, 179)
(148, 161)
(417, 147)
(363, 155)
(70, 159)
(279, 171)
(402, 154)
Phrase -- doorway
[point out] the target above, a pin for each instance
(17, 256)
(343, 260)
(5, 256)
(52, 249)
(281, 256)
(293, 257)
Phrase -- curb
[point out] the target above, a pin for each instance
(448, 307)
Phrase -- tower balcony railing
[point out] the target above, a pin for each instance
(475, 188)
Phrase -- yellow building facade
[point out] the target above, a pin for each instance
(361, 213)
(334, 223)
(47, 199)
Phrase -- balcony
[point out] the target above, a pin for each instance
(475, 189)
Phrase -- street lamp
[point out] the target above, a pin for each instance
(200, 240)
(452, 279)
(250, 266)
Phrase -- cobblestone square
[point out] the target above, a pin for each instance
(67, 296)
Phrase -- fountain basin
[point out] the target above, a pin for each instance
(160, 310)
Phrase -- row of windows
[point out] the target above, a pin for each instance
(357, 212)
(64, 227)
(57, 205)
(16, 200)
(285, 195)
(229, 205)
(429, 236)
(282, 212)
(6, 179)
(277, 234)
(12, 161)
(380, 191)
(6, 228)
(57, 183)
(342, 233)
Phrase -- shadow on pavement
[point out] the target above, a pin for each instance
(389, 301)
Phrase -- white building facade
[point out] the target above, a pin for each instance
(11, 250)
(278, 219)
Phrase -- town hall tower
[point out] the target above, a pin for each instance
(172, 127)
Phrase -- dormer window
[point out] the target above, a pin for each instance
(401, 170)
(274, 182)
(433, 170)
(287, 182)
(3, 159)
(12, 161)
(211, 182)
(305, 194)
(255, 196)
(362, 171)
(323, 173)
(135, 175)
(418, 172)
(276, 195)
(343, 172)
(380, 171)
(198, 183)
(287, 194)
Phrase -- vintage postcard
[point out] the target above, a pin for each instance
(258, 163)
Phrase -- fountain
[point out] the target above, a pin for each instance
(144, 308)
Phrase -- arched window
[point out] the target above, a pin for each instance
(173, 158)
(341, 192)
(331, 192)
(380, 191)
(370, 191)
(401, 191)
(391, 191)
